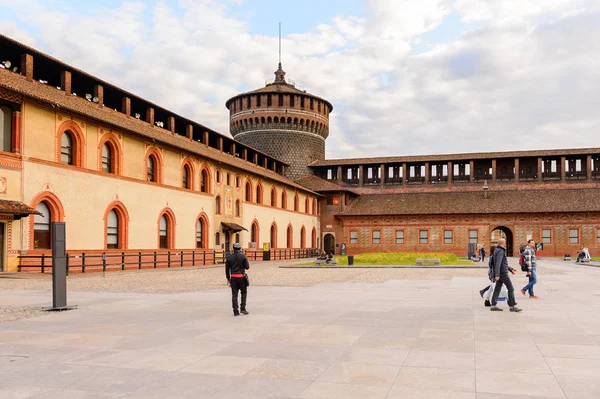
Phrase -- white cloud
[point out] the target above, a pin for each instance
(525, 78)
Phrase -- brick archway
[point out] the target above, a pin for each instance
(171, 225)
(123, 224)
(57, 212)
(78, 139)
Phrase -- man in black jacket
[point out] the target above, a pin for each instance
(235, 270)
(500, 276)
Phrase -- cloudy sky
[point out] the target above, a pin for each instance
(405, 76)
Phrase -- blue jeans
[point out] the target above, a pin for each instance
(532, 281)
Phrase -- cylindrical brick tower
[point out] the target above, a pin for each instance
(283, 121)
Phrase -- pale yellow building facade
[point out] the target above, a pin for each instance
(124, 183)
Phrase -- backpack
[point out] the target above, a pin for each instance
(491, 267)
(522, 263)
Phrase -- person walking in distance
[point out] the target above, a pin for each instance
(482, 253)
(531, 262)
(501, 277)
(235, 271)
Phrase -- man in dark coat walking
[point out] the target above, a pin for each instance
(235, 271)
(500, 276)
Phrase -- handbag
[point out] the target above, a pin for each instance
(247, 280)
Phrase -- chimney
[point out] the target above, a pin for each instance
(485, 189)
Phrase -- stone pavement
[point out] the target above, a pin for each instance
(398, 339)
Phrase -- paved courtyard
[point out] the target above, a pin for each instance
(413, 334)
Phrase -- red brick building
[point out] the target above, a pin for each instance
(445, 202)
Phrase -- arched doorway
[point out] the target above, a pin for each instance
(503, 232)
(329, 243)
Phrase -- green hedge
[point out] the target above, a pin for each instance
(401, 258)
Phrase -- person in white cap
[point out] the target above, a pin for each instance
(235, 271)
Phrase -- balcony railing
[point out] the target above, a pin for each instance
(551, 176)
(528, 176)
(415, 180)
(438, 179)
(352, 182)
(482, 178)
(393, 181)
(461, 179)
(596, 174)
(506, 177)
(372, 182)
(581, 175)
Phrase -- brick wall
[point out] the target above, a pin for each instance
(298, 149)
(521, 226)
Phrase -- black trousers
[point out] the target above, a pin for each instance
(504, 279)
(238, 284)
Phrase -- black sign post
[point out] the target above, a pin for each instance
(59, 268)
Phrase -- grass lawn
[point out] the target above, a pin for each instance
(399, 258)
(596, 258)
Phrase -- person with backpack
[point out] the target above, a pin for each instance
(500, 276)
(528, 262)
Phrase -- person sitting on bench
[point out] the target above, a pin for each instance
(329, 257)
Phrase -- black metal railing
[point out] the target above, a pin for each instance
(595, 174)
(111, 261)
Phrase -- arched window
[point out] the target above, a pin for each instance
(108, 159)
(237, 238)
(112, 230)
(151, 169)
(283, 200)
(273, 197)
(259, 194)
(5, 129)
(218, 176)
(66, 148)
(163, 232)
(200, 231)
(228, 179)
(296, 203)
(273, 236)
(313, 238)
(185, 178)
(248, 192)
(204, 181)
(218, 205)
(303, 237)
(314, 207)
(237, 208)
(254, 232)
(290, 237)
(218, 238)
(41, 227)
(306, 206)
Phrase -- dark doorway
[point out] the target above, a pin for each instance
(2, 247)
(506, 233)
(329, 243)
(227, 241)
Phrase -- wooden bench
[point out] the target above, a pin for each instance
(419, 262)
(319, 262)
